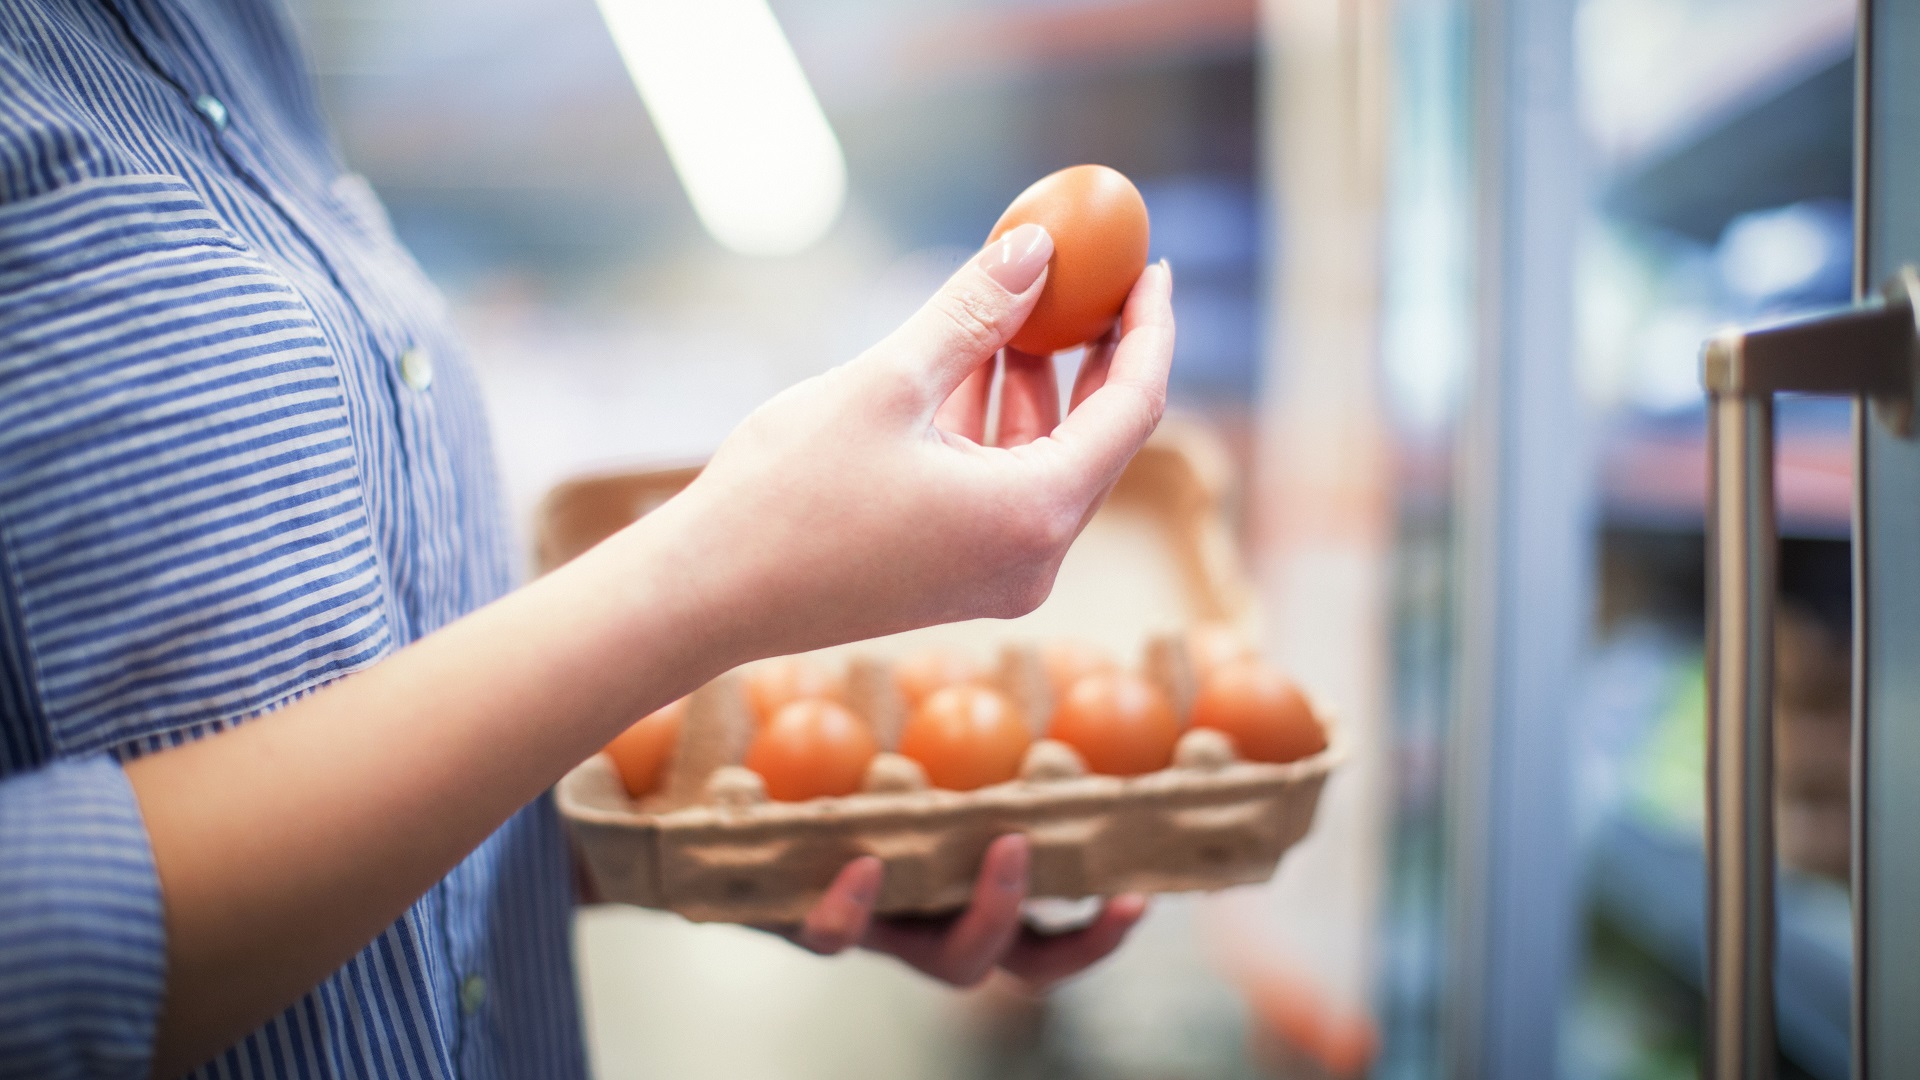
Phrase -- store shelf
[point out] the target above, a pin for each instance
(1652, 886)
(1661, 482)
(1786, 145)
(1019, 40)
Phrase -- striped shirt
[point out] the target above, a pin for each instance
(240, 457)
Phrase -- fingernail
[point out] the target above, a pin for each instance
(1013, 868)
(1016, 259)
(1168, 267)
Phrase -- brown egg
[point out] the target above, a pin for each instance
(812, 748)
(1068, 661)
(1214, 645)
(640, 753)
(1261, 710)
(1099, 227)
(920, 675)
(966, 737)
(1121, 724)
(774, 684)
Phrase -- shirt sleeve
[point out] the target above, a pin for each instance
(82, 944)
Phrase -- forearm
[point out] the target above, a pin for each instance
(287, 844)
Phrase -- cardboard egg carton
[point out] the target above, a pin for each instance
(710, 846)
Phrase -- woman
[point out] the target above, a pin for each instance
(274, 731)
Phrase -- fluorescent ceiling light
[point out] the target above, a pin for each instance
(745, 133)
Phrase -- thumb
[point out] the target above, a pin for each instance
(979, 308)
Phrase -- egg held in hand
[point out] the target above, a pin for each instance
(812, 749)
(1261, 710)
(1099, 227)
(1121, 724)
(966, 737)
(640, 753)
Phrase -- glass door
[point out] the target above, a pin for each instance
(1887, 871)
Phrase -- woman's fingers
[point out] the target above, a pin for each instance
(1043, 961)
(992, 920)
(977, 311)
(1101, 434)
(964, 413)
(1029, 398)
(1093, 367)
(841, 918)
(962, 951)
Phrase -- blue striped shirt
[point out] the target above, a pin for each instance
(240, 457)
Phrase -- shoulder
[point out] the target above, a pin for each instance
(99, 88)
(184, 539)
(46, 140)
(183, 533)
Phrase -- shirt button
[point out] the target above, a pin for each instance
(416, 367)
(213, 109)
(473, 993)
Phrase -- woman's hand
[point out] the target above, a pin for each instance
(966, 948)
(840, 511)
(868, 500)
(864, 501)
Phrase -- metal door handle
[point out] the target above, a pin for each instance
(1869, 352)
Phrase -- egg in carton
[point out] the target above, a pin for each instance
(712, 847)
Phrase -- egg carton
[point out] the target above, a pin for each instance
(712, 847)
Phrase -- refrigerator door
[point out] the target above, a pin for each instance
(1872, 353)
(1886, 863)
(1869, 352)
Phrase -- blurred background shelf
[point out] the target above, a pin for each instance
(1653, 470)
(1650, 884)
(1724, 138)
(1641, 728)
(1785, 144)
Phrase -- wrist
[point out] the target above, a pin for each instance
(669, 601)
